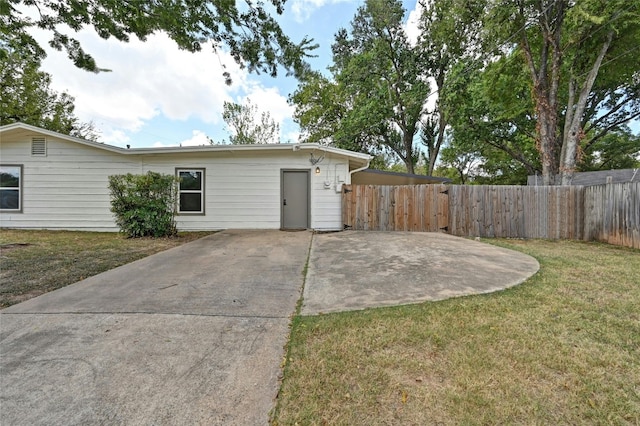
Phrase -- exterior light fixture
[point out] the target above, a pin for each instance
(318, 170)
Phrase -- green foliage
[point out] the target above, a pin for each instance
(615, 150)
(144, 205)
(242, 125)
(492, 128)
(251, 34)
(375, 100)
(26, 96)
(581, 69)
(320, 105)
(498, 105)
(449, 40)
(522, 87)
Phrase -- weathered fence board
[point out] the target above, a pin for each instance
(516, 211)
(612, 213)
(609, 213)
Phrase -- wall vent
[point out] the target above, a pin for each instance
(38, 147)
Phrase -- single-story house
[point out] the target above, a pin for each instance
(53, 181)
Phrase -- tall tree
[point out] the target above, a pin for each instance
(246, 128)
(449, 37)
(320, 105)
(26, 96)
(494, 119)
(375, 99)
(565, 44)
(252, 35)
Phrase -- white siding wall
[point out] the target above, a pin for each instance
(67, 189)
(326, 201)
(243, 190)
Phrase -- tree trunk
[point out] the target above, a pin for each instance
(435, 150)
(547, 141)
(407, 140)
(545, 75)
(573, 132)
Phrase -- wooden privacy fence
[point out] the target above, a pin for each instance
(609, 213)
(612, 213)
(395, 208)
(517, 211)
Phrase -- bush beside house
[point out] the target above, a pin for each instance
(144, 205)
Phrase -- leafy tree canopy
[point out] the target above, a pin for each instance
(375, 99)
(246, 126)
(582, 69)
(26, 96)
(247, 29)
(554, 79)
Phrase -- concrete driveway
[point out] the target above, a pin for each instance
(196, 334)
(190, 336)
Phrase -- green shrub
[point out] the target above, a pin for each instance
(144, 205)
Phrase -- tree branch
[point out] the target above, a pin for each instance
(610, 127)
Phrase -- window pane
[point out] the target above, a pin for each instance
(9, 199)
(9, 177)
(190, 202)
(191, 180)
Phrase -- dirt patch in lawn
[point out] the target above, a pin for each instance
(5, 247)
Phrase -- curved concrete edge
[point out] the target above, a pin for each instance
(355, 270)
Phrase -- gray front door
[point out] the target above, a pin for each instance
(295, 199)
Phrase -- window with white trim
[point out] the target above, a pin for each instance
(11, 188)
(191, 191)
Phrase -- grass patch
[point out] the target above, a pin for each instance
(35, 262)
(562, 348)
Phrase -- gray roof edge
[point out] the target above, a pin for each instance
(401, 174)
(596, 177)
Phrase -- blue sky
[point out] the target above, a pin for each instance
(157, 95)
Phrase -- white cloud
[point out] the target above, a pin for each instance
(303, 9)
(198, 138)
(147, 79)
(151, 79)
(113, 136)
(412, 25)
(269, 99)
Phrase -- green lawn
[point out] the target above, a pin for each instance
(35, 262)
(562, 348)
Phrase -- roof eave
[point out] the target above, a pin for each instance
(358, 158)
